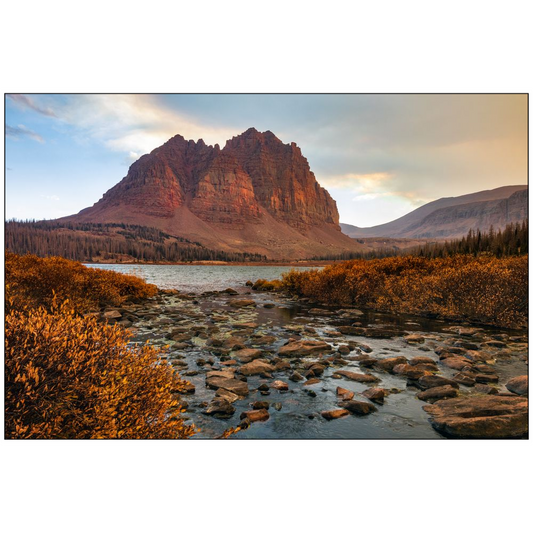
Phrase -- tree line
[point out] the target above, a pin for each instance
(511, 241)
(108, 242)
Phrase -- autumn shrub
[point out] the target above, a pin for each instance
(484, 289)
(34, 281)
(265, 285)
(70, 377)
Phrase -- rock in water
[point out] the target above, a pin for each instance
(335, 413)
(518, 385)
(480, 417)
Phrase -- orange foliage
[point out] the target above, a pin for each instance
(34, 281)
(70, 377)
(485, 290)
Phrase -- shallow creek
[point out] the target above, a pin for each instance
(195, 320)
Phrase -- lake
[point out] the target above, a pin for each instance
(199, 278)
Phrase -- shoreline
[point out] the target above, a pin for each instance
(220, 263)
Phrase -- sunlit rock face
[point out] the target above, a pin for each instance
(257, 194)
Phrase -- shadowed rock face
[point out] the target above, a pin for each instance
(257, 194)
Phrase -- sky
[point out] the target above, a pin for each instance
(379, 156)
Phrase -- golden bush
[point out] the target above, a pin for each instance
(34, 281)
(482, 289)
(69, 377)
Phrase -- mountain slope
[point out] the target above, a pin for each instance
(256, 195)
(453, 217)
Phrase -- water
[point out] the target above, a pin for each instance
(199, 278)
(401, 416)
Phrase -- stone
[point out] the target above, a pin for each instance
(409, 371)
(389, 363)
(260, 405)
(457, 363)
(464, 379)
(303, 348)
(367, 362)
(375, 395)
(312, 381)
(485, 389)
(279, 385)
(246, 355)
(518, 385)
(354, 376)
(334, 414)
(242, 303)
(437, 393)
(256, 415)
(227, 395)
(233, 385)
(277, 406)
(345, 394)
(112, 315)
(220, 407)
(258, 366)
(414, 339)
(431, 381)
(486, 416)
(358, 408)
(421, 360)
(296, 376)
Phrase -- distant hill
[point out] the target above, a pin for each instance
(453, 217)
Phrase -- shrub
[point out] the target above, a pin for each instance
(34, 281)
(70, 377)
(265, 285)
(486, 289)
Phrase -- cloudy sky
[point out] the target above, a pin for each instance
(379, 156)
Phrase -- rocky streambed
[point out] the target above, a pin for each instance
(278, 367)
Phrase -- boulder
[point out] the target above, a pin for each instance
(303, 348)
(484, 416)
(256, 415)
(431, 381)
(246, 355)
(409, 371)
(390, 362)
(334, 414)
(232, 385)
(258, 366)
(220, 408)
(345, 394)
(437, 393)
(357, 408)
(518, 385)
(375, 395)
(279, 385)
(354, 376)
(242, 303)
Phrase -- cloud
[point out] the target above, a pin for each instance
(364, 183)
(25, 102)
(52, 197)
(134, 123)
(22, 131)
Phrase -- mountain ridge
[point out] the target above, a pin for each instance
(257, 195)
(453, 217)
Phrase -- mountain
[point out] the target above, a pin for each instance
(450, 218)
(256, 195)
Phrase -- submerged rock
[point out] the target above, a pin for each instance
(390, 362)
(345, 394)
(258, 366)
